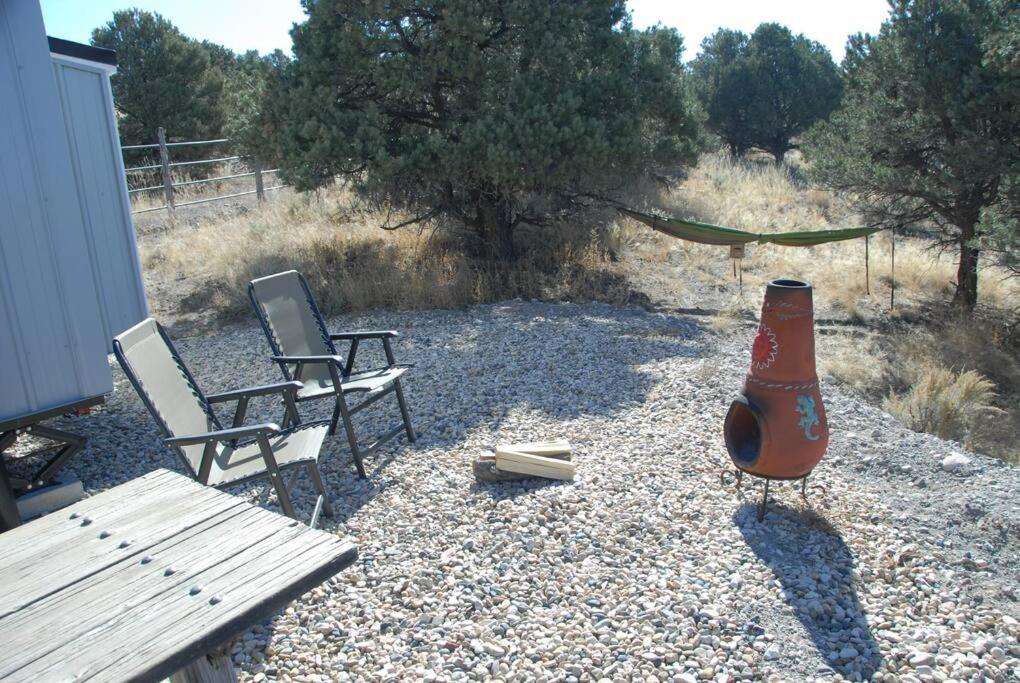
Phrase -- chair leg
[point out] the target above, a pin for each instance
(335, 418)
(341, 408)
(282, 495)
(292, 481)
(404, 412)
(290, 417)
(313, 474)
(276, 476)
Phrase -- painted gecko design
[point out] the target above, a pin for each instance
(806, 407)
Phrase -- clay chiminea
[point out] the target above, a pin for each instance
(776, 427)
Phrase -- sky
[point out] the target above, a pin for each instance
(264, 25)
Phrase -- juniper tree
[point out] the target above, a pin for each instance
(163, 79)
(763, 90)
(254, 105)
(928, 128)
(484, 112)
(722, 83)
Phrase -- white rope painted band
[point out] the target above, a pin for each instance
(784, 387)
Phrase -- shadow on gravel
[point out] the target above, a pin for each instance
(509, 490)
(815, 568)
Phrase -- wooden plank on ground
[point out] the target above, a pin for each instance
(526, 463)
(548, 448)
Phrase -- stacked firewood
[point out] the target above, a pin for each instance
(549, 459)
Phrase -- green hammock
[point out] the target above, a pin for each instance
(705, 233)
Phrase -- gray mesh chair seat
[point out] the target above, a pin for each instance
(367, 382)
(214, 455)
(296, 446)
(306, 352)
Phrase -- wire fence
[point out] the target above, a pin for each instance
(165, 169)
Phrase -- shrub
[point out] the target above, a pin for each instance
(945, 403)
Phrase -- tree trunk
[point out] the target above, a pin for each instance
(496, 226)
(779, 152)
(967, 273)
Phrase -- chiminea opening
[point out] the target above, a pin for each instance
(743, 433)
(791, 284)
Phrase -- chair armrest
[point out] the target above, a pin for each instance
(355, 338)
(365, 334)
(224, 434)
(249, 392)
(309, 359)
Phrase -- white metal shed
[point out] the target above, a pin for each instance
(83, 83)
(69, 270)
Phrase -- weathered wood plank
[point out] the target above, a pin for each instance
(120, 614)
(216, 668)
(183, 625)
(100, 547)
(51, 531)
(537, 465)
(134, 581)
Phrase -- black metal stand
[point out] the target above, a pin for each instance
(9, 517)
(764, 502)
(67, 445)
(763, 505)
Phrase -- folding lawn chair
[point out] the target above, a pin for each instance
(210, 453)
(305, 351)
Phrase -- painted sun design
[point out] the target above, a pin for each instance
(765, 347)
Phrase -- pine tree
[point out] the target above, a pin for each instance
(489, 113)
(163, 79)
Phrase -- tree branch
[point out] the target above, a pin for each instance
(428, 215)
(404, 40)
(494, 36)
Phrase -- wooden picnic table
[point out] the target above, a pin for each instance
(144, 580)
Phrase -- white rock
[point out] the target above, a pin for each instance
(956, 462)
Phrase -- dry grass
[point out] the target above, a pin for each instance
(731, 314)
(353, 265)
(856, 361)
(948, 404)
(953, 377)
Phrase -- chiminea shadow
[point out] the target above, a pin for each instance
(815, 568)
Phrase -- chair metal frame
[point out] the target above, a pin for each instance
(340, 369)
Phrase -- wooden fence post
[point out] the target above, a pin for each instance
(168, 181)
(259, 191)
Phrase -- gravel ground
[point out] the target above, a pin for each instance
(899, 565)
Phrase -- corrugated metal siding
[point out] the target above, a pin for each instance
(52, 342)
(102, 192)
